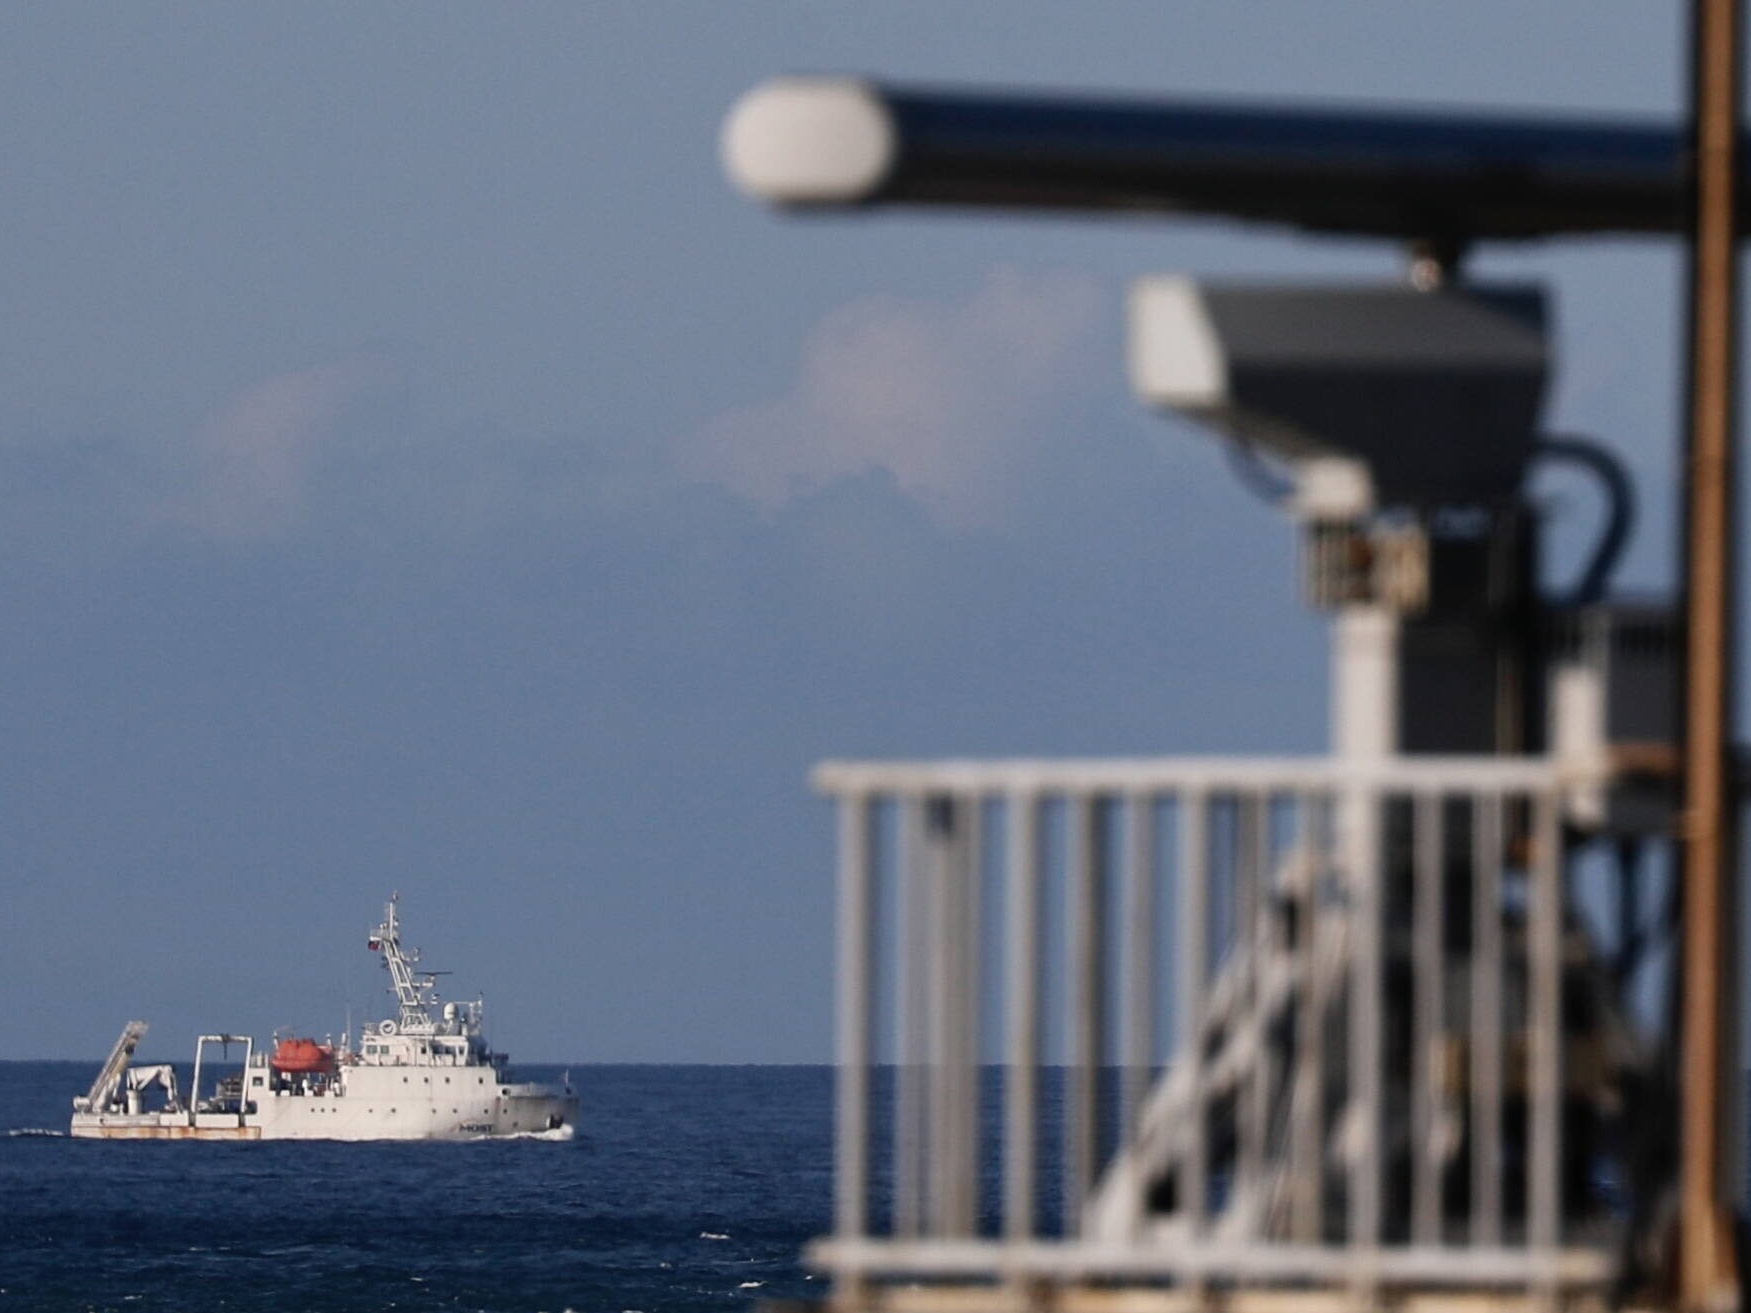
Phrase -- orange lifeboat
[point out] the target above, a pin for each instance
(303, 1055)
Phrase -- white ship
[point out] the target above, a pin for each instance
(415, 1076)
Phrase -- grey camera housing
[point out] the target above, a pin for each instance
(1437, 393)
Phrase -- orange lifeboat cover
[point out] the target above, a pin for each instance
(303, 1055)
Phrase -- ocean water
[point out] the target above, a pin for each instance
(686, 1189)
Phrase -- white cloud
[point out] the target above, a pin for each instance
(953, 401)
(253, 457)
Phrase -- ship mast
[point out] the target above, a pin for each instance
(412, 988)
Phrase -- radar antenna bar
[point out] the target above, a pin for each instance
(1435, 179)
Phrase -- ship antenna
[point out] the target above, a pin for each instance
(412, 989)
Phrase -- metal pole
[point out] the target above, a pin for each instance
(1307, 1132)
(1361, 819)
(942, 873)
(1022, 969)
(1545, 1005)
(1707, 1270)
(1137, 1062)
(1194, 940)
(1254, 1117)
(1428, 1017)
(1486, 1021)
(912, 1029)
(1086, 1058)
(851, 1202)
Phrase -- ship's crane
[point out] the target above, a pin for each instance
(109, 1077)
(161, 1076)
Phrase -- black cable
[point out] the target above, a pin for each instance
(1620, 512)
(1274, 487)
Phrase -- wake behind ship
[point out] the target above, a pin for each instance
(415, 1076)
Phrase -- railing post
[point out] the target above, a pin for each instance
(1545, 874)
(1307, 1103)
(912, 1036)
(1428, 930)
(1194, 942)
(1087, 1022)
(1486, 1021)
(851, 1177)
(950, 834)
(1022, 987)
(1252, 914)
(1362, 843)
(940, 842)
(954, 1145)
(1137, 1062)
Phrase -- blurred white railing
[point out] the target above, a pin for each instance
(995, 913)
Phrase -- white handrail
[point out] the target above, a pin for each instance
(1304, 849)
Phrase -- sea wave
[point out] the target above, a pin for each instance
(558, 1135)
(37, 1130)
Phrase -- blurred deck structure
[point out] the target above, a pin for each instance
(1409, 1064)
(1287, 1140)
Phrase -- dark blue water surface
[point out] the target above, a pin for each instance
(686, 1188)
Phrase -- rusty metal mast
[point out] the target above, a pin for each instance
(1708, 1277)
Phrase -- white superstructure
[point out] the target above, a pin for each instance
(426, 1073)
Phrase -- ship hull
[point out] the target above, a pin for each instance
(337, 1117)
(149, 1126)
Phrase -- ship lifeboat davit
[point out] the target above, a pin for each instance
(303, 1055)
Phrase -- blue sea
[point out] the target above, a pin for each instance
(686, 1190)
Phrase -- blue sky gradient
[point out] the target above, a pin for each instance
(419, 470)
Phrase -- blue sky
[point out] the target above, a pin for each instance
(420, 470)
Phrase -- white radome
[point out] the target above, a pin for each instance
(809, 141)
